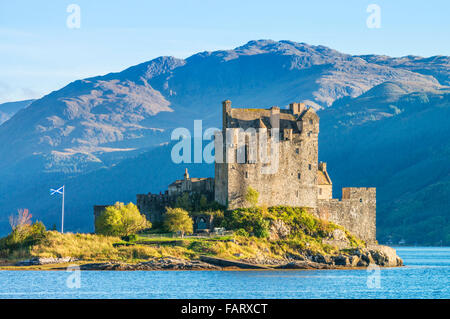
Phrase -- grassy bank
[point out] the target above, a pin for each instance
(255, 237)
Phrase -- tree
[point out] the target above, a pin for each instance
(22, 219)
(251, 196)
(184, 202)
(178, 220)
(121, 220)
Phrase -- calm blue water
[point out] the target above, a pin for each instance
(426, 276)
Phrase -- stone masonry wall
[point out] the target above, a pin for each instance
(356, 211)
(294, 183)
(153, 206)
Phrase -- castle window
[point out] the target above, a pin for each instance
(320, 191)
(309, 133)
(309, 166)
(310, 121)
(297, 150)
(246, 174)
(299, 175)
(296, 193)
(360, 200)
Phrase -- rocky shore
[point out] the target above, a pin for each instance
(154, 264)
(382, 256)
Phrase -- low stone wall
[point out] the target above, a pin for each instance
(356, 212)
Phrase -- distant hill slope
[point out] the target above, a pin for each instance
(436, 66)
(7, 110)
(399, 143)
(101, 136)
(75, 128)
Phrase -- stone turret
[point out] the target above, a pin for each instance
(297, 108)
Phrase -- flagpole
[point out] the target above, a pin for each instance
(62, 222)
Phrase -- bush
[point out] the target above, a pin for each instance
(249, 219)
(130, 238)
(24, 236)
(121, 220)
(241, 232)
(251, 196)
(178, 220)
(196, 202)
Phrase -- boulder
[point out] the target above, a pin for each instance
(279, 230)
(338, 238)
(321, 259)
(354, 260)
(384, 256)
(341, 260)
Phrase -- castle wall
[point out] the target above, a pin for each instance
(293, 182)
(356, 211)
(98, 209)
(153, 206)
(325, 192)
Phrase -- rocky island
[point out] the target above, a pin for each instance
(276, 214)
(281, 238)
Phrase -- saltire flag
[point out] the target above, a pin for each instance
(57, 191)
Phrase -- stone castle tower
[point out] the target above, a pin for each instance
(293, 180)
(297, 179)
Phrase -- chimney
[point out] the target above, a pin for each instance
(226, 112)
(275, 117)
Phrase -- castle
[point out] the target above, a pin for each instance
(292, 177)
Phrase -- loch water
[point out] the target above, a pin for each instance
(426, 275)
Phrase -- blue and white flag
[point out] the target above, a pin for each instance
(57, 191)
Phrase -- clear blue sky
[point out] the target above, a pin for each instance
(39, 53)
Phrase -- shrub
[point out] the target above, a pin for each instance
(121, 220)
(196, 202)
(241, 232)
(251, 196)
(249, 219)
(24, 236)
(178, 220)
(130, 238)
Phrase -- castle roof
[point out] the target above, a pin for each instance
(323, 178)
(260, 118)
(192, 179)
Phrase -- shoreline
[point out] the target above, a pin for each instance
(57, 267)
(203, 263)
